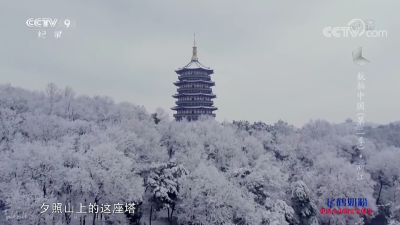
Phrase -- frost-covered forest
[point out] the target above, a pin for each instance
(57, 147)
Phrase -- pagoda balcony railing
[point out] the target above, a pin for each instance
(194, 114)
(195, 102)
(195, 76)
(194, 89)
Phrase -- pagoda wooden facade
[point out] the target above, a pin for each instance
(194, 97)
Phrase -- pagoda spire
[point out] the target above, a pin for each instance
(194, 56)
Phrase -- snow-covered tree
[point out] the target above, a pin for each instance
(207, 197)
(163, 183)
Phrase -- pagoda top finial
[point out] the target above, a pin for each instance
(194, 56)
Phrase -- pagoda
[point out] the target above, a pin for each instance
(194, 97)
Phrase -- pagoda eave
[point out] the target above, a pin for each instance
(195, 65)
(194, 107)
(211, 83)
(195, 94)
(178, 71)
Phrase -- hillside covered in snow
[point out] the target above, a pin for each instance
(57, 147)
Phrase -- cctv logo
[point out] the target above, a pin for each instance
(41, 22)
(353, 27)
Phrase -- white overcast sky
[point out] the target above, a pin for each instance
(270, 58)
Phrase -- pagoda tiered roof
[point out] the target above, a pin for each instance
(194, 64)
